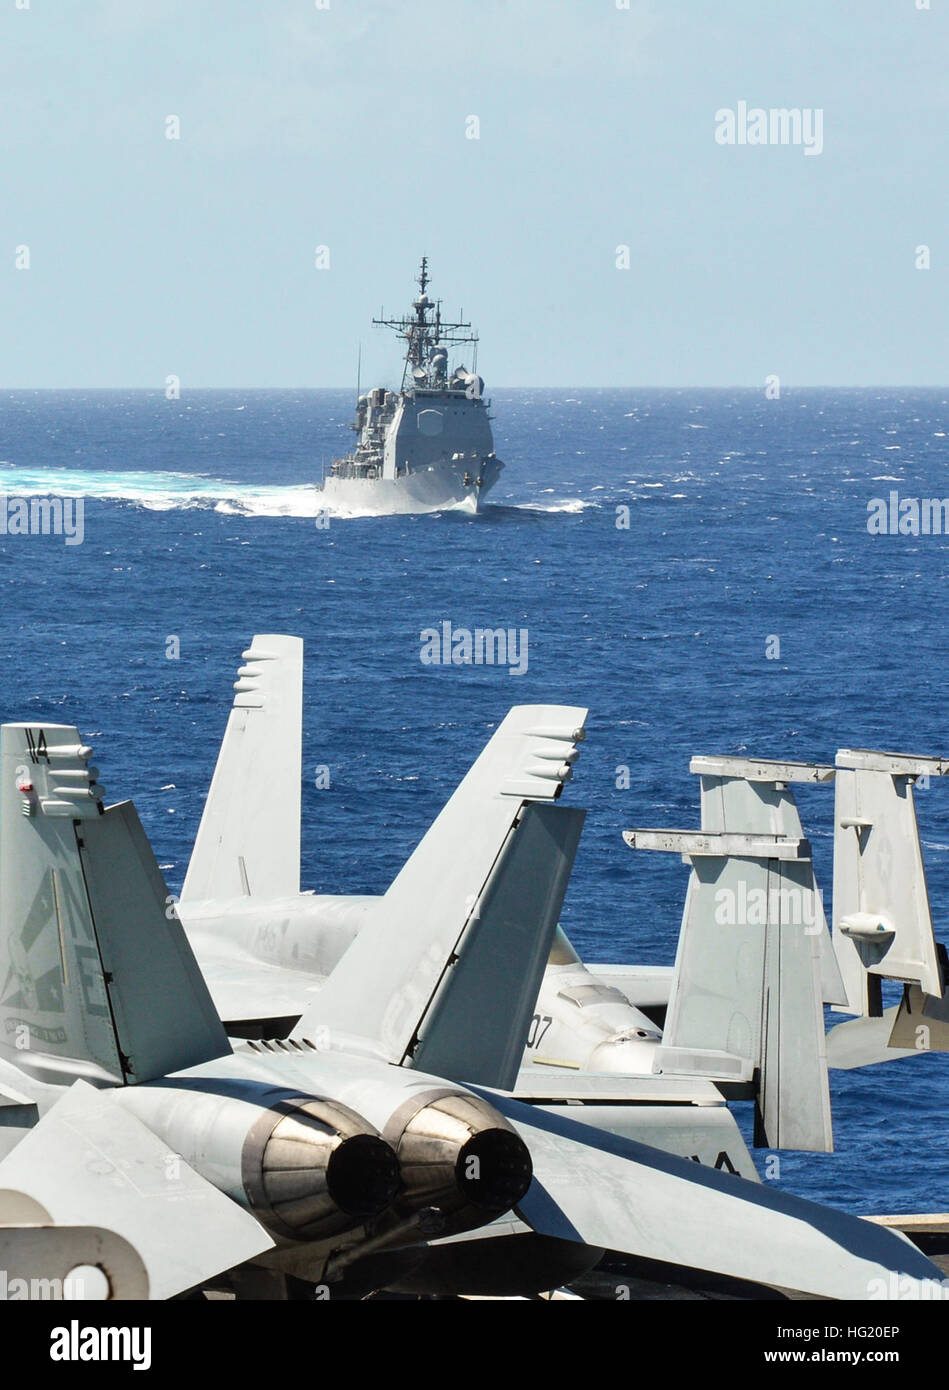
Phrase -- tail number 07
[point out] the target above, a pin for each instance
(539, 1025)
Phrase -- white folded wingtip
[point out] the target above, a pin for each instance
(248, 842)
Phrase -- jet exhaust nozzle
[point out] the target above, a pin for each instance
(314, 1168)
(460, 1157)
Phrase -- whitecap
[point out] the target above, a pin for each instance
(574, 504)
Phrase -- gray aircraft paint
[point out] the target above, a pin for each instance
(587, 1181)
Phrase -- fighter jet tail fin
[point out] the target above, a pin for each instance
(446, 973)
(248, 843)
(756, 796)
(747, 993)
(96, 975)
(883, 925)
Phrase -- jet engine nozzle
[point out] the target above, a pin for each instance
(314, 1168)
(459, 1156)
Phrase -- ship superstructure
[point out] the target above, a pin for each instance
(428, 446)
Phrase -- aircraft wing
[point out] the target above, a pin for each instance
(601, 1190)
(248, 842)
(645, 986)
(465, 929)
(89, 1162)
(248, 990)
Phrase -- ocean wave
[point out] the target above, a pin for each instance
(569, 504)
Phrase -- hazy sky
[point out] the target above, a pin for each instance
(345, 124)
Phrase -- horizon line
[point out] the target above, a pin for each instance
(590, 386)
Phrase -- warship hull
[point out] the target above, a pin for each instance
(443, 485)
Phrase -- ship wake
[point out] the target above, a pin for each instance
(165, 491)
(172, 491)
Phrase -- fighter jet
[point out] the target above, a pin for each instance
(332, 1158)
(756, 963)
(266, 949)
(882, 922)
(739, 1017)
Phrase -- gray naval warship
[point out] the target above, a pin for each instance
(427, 447)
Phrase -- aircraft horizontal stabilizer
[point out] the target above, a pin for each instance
(89, 1162)
(467, 923)
(601, 1190)
(864, 1042)
(922, 1022)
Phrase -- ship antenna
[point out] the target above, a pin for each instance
(423, 275)
(358, 372)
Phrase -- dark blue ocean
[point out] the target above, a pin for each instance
(747, 521)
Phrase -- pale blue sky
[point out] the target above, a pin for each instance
(345, 126)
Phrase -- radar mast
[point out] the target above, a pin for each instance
(427, 337)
